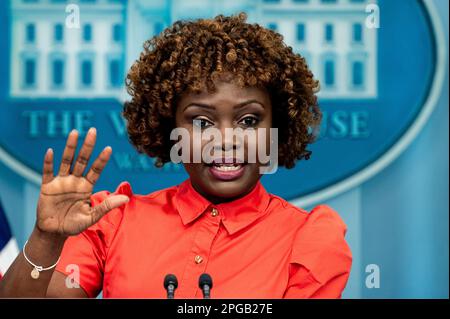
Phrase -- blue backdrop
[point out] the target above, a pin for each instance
(389, 182)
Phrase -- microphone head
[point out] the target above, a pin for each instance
(205, 279)
(170, 279)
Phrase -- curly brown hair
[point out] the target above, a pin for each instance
(191, 54)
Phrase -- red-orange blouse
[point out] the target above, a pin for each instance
(258, 246)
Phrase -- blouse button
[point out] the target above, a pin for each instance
(198, 259)
(214, 212)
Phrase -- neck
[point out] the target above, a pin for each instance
(217, 199)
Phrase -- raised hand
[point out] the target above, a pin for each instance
(64, 201)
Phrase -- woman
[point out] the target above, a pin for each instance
(218, 73)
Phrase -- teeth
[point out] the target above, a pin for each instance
(222, 167)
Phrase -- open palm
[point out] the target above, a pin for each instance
(64, 201)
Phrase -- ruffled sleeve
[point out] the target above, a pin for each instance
(83, 256)
(320, 259)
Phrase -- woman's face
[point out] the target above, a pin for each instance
(229, 107)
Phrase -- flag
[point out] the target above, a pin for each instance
(8, 244)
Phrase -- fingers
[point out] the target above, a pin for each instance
(47, 171)
(85, 152)
(99, 164)
(69, 151)
(111, 202)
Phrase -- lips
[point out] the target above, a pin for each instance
(226, 169)
(226, 161)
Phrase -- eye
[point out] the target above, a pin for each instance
(249, 121)
(201, 123)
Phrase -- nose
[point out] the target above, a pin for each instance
(229, 139)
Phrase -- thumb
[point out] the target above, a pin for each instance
(111, 202)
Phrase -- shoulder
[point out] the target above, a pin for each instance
(113, 219)
(319, 244)
(124, 188)
(283, 210)
(322, 216)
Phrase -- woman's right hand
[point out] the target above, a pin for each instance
(64, 202)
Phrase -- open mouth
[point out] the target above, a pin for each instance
(226, 169)
(227, 163)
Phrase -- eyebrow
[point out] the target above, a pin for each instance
(237, 106)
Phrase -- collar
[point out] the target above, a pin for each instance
(235, 215)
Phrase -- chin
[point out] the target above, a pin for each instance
(226, 189)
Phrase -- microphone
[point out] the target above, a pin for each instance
(205, 283)
(170, 284)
